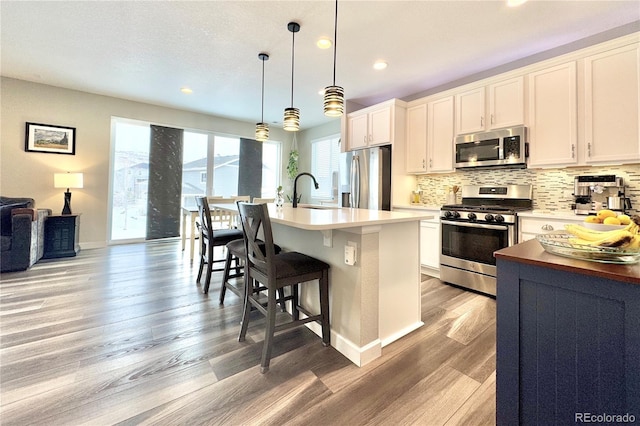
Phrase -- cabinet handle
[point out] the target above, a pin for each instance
(547, 227)
(370, 138)
(481, 121)
(364, 139)
(573, 150)
(492, 119)
(589, 149)
(423, 164)
(430, 162)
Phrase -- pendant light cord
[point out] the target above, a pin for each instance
(335, 43)
(262, 111)
(293, 48)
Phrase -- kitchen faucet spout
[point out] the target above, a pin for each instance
(295, 187)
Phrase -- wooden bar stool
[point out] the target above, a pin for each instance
(276, 271)
(210, 238)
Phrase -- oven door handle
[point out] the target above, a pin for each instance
(475, 225)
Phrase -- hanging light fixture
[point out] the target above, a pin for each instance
(334, 95)
(291, 114)
(262, 128)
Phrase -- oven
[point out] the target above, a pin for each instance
(472, 231)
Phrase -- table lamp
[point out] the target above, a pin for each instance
(67, 180)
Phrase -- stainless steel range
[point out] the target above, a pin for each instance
(472, 231)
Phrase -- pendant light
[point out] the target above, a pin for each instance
(291, 114)
(334, 95)
(262, 128)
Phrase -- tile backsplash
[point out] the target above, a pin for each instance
(552, 188)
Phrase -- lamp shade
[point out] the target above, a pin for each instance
(67, 180)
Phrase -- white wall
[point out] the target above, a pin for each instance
(304, 148)
(28, 174)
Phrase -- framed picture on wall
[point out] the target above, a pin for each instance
(50, 138)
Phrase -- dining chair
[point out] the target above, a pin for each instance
(276, 271)
(211, 238)
(221, 218)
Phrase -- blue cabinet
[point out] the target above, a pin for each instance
(568, 340)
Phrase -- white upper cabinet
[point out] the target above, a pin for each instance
(358, 131)
(612, 106)
(470, 111)
(380, 126)
(440, 135)
(553, 116)
(506, 103)
(506, 107)
(416, 139)
(375, 125)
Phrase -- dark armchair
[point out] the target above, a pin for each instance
(22, 233)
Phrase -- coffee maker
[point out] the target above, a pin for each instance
(593, 193)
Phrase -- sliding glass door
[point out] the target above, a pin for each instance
(129, 180)
(210, 166)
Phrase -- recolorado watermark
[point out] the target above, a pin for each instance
(604, 418)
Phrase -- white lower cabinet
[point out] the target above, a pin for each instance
(529, 227)
(430, 245)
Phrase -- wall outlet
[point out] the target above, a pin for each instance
(350, 253)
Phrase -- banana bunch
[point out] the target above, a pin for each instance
(625, 238)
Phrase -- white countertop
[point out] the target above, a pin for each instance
(323, 218)
(417, 206)
(552, 214)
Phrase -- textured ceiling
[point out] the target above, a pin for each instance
(146, 51)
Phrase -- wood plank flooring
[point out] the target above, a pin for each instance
(124, 335)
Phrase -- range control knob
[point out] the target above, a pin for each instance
(471, 216)
(448, 214)
(499, 218)
(456, 215)
(488, 217)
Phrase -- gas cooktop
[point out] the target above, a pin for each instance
(490, 204)
(485, 208)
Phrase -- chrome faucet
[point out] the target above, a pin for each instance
(295, 187)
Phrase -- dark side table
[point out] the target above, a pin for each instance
(61, 236)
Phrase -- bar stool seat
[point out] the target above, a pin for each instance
(236, 252)
(210, 238)
(274, 272)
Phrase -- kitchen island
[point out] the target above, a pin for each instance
(375, 301)
(568, 338)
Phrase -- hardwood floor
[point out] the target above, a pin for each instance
(124, 335)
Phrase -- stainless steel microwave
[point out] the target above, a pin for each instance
(501, 147)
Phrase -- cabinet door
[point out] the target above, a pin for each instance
(612, 107)
(440, 135)
(532, 226)
(506, 103)
(470, 111)
(553, 116)
(357, 125)
(430, 244)
(380, 126)
(417, 139)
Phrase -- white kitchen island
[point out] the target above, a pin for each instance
(375, 301)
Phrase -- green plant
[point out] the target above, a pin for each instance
(292, 166)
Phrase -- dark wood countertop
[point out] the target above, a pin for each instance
(532, 253)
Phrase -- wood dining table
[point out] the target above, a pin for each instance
(218, 208)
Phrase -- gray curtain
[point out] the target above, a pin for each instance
(165, 183)
(250, 168)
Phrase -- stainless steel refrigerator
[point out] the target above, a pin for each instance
(365, 178)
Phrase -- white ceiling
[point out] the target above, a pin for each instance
(146, 51)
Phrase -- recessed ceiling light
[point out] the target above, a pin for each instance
(514, 3)
(323, 43)
(186, 90)
(380, 65)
